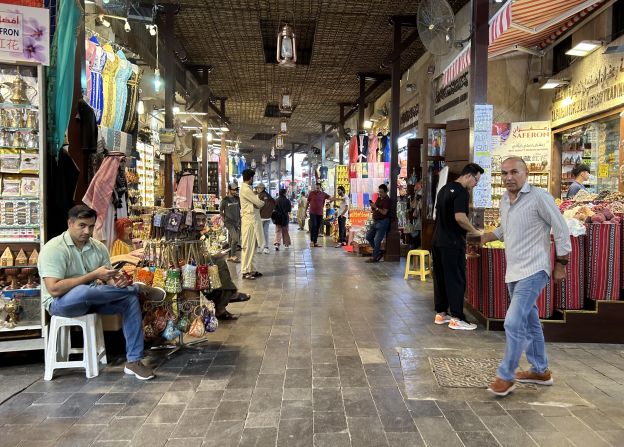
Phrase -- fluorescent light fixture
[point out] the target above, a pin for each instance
(567, 101)
(554, 83)
(584, 47)
(209, 137)
(224, 129)
(141, 108)
(127, 27)
(368, 124)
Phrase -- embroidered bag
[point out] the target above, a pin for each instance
(189, 270)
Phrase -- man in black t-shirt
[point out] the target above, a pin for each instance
(449, 248)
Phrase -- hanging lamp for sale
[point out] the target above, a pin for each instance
(279, 141)
(286, 103)
(287, 46)
(283, 127)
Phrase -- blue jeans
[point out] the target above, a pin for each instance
(523, 329)
(106, 300)
(376, 234)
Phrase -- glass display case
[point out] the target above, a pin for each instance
(595, 144)
(22, 176)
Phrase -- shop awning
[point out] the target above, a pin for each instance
(528, 26)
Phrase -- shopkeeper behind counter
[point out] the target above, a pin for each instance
(581, 175)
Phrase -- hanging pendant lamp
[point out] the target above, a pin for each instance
(286, 47)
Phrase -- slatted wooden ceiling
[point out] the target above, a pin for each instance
(349, 36)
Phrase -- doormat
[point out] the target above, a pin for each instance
(461, 372)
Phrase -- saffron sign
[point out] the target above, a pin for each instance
(24, 34)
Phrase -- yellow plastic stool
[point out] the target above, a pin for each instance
(423, 271)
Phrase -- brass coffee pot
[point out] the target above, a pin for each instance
(18, 140)
(32, 119)
(5, 119)
(19, 90)
(18, 120)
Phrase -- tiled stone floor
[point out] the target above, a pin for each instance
(314, 361)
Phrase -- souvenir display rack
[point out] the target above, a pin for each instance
(213, 178)
(22, 171)
(145, 169)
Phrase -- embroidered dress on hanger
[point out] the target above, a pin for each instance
(386, 149)
(90, 54)
(124, 72)
(373, 145)
(353, 150)
(96, 98)
(131, 117)
(108, 75)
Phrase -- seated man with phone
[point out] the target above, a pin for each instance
(77, 279)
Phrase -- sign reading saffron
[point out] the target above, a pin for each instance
(24, 34)
(529, 140)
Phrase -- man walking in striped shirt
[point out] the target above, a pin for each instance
(528, 214)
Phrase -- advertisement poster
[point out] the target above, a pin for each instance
(482, 154)
(24, 34)
(530, 140)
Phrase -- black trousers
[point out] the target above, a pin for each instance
(342, 229)
(449, 280)
(316, 221)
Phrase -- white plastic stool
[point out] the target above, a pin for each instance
(59, 345)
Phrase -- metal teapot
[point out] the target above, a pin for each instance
(18, 141)
(5, 118)
(18, 120)
(32, 119)
(19, 91)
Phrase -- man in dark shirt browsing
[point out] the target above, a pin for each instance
(449, 248)
(381, 222)
(316, 205)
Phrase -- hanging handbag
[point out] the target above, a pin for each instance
(148, 328)
(171, 332)
(203, 276)
(158, 279)
(197, 328)
(189, 270)
(173, 221)
(213, 273)
(184, 323)
(173, 282)
(159, 321)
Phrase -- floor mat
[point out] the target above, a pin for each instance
(461, 372)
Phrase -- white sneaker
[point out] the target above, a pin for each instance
(442, 318)
(460, 325)
(266, 250)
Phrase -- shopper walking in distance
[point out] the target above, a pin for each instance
(281, 217)
(449, 248)
(302, 206)
(528, 216)
(316, 205)
(250, 220)
(382, 214)
(265, 214)
(230, 210)
(342, 203)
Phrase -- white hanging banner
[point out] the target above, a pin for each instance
(24, 34)
(482, 154)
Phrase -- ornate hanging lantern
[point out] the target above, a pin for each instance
(253, 163)
(286, 47)
(284, 127)
(279, 141)
(286, 103)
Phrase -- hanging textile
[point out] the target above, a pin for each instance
(100, 192)
(91, 53)
(96, 96)
(131, 116)
(362, 147)
(373, 145)
(61, 72)
(386, 149)
(353, 150)
(124, 72)
(184, 191)
(108, 77)
(241, 165)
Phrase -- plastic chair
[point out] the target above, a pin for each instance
(59, 345)
(424, 257)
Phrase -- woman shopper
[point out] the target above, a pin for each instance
(302, 204)
(281, 217)
(265, 214)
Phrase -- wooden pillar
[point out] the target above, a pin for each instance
(323, 145)
(393, 243)
(204, 158)
(224, 167)
(479, 51)
(170, 81)
(361, 103)
(341, 135)
(292, 164)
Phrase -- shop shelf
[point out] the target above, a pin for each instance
(23, 326)
(20, 240)
(19, 129)
(18, 267)
(17, 227)
(10, 105)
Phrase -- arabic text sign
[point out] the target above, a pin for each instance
(24, 34)
(530, 140)
(597, 85)
(482, 154)
(11, 35)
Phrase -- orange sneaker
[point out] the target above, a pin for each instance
(501, 387)
(544, 378)
(442, 318)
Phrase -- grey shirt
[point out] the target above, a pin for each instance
(575, 187)
(526, 227)
(230, 209)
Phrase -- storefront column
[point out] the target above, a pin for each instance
(479, 51)
(224, 166)
(393, 240)
(341, 135)
(361, 102)
(292, 164)
(204, 158)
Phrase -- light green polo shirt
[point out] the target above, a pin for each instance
(60, 258)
